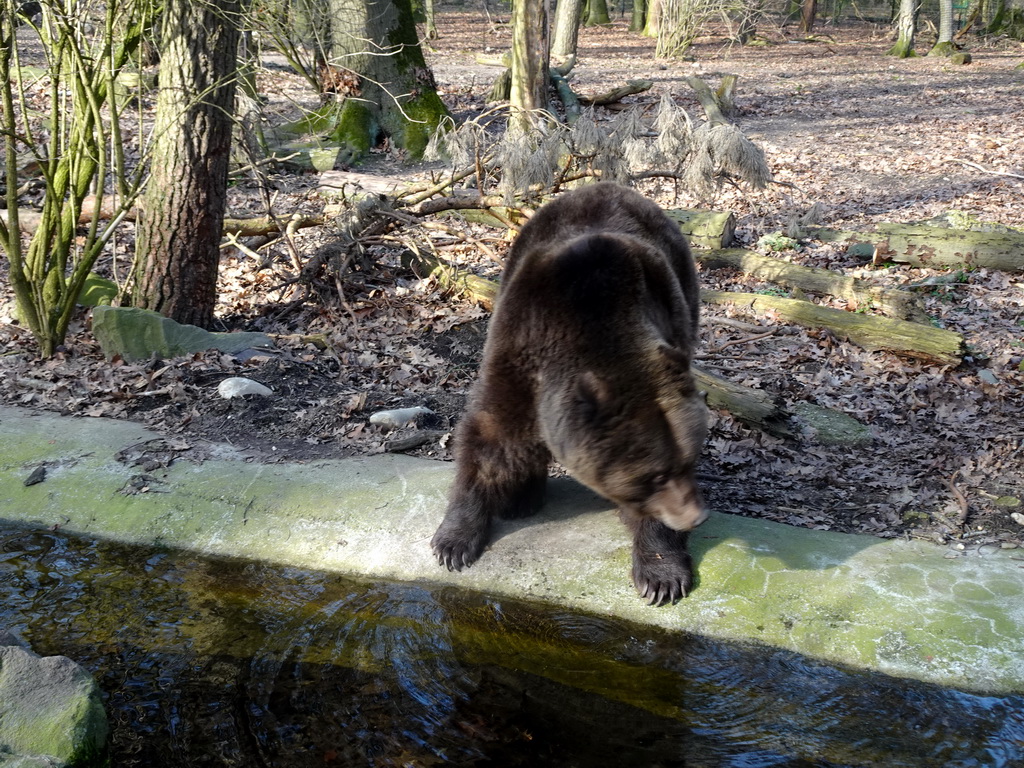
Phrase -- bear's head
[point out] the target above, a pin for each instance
(637, 446)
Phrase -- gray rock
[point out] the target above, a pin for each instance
(399, 417)
(97, 291)
(6, 638)
(138, 334)
(51, 712)
(237, 386)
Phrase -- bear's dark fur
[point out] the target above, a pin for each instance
(588, 360)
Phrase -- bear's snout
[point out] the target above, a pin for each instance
(678, 505)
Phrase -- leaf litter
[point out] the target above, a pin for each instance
(945, 460)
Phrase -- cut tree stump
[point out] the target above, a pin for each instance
(705, 229)
(895, 303)
(868, 331)
(925, 246)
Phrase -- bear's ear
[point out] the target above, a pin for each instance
(592, 395)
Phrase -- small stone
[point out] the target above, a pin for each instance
(399, 417)
(37, 476)
(987, 377)
(239, 386)
(1017, 517)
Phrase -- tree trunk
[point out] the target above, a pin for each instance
(652, 24)
(431, 21)
(944, 45)
(808, 10)
(597, 13)
(397, 99)
(566, 33)
(638, 21)
(748, 22)
(183, 210)
(529, 91)
(995, 26)
(906, 27)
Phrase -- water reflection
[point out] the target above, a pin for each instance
(211, 662)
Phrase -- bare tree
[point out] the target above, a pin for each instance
(906, 28)
(944, 44)
(565, 37)
(393, 97)
(529, 61)
(182, 217)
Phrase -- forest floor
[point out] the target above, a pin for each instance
(869, 138)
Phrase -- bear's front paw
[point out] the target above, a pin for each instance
(456, 549)
(661, 579)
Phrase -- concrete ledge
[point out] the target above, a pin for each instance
(908, 609)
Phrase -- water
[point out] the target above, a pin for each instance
(229, 663)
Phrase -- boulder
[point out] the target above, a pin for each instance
(138, 334)
(51, 711)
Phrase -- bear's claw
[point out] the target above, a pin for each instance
(455, 554)
(662, 593)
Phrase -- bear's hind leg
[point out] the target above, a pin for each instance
(525, 495)
(662, 568)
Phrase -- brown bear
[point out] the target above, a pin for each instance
(587, 360)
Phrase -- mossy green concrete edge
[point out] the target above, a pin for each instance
(908, 609)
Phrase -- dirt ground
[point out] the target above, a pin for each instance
(869, 138)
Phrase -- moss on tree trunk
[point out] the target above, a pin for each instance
(906, 23)
(397, 99)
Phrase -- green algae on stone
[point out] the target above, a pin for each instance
(50, 708)
(138, 334)
(842, 598)
(832, 427)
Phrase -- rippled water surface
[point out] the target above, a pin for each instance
(218, 662)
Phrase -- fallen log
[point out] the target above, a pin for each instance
(29, 219)
(616, 94)
(895, 303)
(712, 106)
(476, 288)
(269, 225)
(334, 184)
(754, 407)
(871, 332)
(922, 245)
